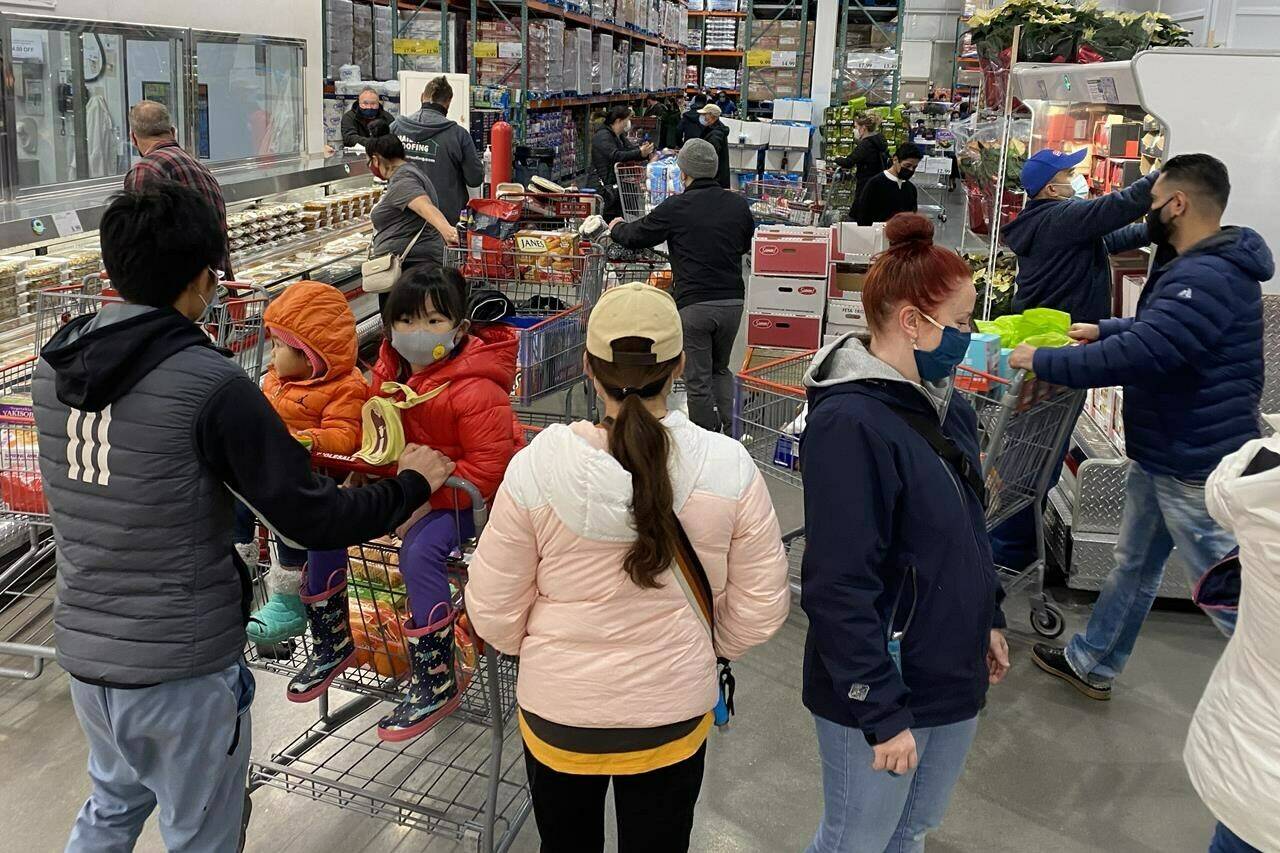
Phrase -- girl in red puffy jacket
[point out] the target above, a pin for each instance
(431, 346)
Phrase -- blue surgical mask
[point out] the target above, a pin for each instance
(421, 347)
(937, 364)
(1080, 186)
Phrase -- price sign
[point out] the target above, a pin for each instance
(784, 59)
(486, 49)
(510, 50)
(759, 58)
(416, 47)
(68, 223)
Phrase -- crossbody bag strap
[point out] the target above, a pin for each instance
(930, 430)
(413, 242)
(697, 588)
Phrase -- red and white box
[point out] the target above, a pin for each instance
(791, 251)
(766, 293)
(846, 315)
(784, 330)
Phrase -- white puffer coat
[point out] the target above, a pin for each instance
(1233, 749)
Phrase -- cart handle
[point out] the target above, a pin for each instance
(997, 379)
(351, 465)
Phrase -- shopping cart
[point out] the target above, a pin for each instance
(633, 189)
(464, 778)
(836, 188)
(27, 584)
(768, 418)
(775, 201)
(1023, 424)
(934, 185)
(552, 210)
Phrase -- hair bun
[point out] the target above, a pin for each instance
(904, 228)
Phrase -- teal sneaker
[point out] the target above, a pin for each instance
(282, 618)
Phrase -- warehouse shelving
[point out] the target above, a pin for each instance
(867, 28)
(764, 20)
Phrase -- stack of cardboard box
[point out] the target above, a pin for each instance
(786, 296)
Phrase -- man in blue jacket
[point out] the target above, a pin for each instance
(1064, 240)
(1192, 368)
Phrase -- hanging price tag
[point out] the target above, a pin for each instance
(486, 49)
(759, 58)
(510, 50)
(783, 59)
(416, 47)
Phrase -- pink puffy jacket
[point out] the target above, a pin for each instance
(547, 583)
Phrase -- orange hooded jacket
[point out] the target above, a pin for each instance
(325, 408)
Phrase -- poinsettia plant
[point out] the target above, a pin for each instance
(1053, 31)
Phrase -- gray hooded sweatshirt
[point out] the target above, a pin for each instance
(445, 152)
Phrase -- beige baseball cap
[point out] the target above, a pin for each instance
(635, 311)
(709, 110)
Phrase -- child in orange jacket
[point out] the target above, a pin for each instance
(314, 385)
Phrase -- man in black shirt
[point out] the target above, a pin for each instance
(891, 191)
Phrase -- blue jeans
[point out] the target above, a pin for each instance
(869, 811)
(1159, 512)
(182, 745)
(1226, 841)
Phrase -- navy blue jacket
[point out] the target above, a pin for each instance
(1190, 361)
(1064, 249)
(879, 500)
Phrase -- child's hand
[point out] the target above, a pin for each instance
(431, 464)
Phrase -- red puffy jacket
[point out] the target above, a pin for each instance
(471, 421)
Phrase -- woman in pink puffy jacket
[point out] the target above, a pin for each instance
(576, 574)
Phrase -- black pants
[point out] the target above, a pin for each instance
(655, 809)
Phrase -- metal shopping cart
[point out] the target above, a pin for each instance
(768, 418)
(933, 186)
(27, 584)
(464, 778)
(633, 189)
(775, 201)
(1023, 424)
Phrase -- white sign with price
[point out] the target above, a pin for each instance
(67, 223)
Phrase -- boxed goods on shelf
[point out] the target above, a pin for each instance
(605, 61)
(362, 37)
(383, 32)
(338, 35)
(721, 5)
(846, 315)
(555, 130)
(424, 25)
(720, 78)
(720, 34)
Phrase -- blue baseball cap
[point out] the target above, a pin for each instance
(1040, 167)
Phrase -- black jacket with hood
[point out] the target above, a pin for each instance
(147, 436)
(447, 154)
(355, 127)
(870, 157)
(690, 127)
(718, 135)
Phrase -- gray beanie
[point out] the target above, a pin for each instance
(698, 159)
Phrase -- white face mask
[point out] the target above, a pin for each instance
(1080, 186)
(626, 126)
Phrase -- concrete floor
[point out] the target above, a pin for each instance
(1050, 771)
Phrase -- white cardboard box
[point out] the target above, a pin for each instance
(744, 159)
(773, 159)
(858, 239)
(1130, 292)
(766, 294)
(755, 133)
(798, 136)
(846, 315)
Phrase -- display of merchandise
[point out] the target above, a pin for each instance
(720, 34)
(720, 78)
(424, 25)
(721, 5)
(362, 37)
(273, 274)
(383, 33)
(338, 34)
(272, 224)
(604, 64)
(577, 61)
(695, 40)
(558, 132)
(482, 122)
(663, 180)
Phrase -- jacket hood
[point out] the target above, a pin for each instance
(98, 358)
(426, 123)
(848, 360)
(589, 491)
(1240, 246)
(320, 317)
(489, 353)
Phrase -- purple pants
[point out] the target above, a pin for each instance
(422, 562)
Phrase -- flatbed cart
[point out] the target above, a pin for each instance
(27, 584)
(464, 778)
(1023, 424)
(768, 418)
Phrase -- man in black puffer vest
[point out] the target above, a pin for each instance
(147, 435)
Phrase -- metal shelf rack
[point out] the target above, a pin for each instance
(863, 26)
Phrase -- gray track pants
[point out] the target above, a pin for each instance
(710, 329)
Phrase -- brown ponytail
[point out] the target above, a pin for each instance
(640, 444)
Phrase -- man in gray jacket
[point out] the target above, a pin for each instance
(147, 435)
(442, 148)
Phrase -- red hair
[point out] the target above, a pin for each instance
(912, 270)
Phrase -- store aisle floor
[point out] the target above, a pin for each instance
(1050, 770)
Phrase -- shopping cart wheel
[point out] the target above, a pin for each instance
(942, 217)
(1047, 621)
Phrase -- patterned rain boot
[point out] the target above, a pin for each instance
(332, 649)
(284, 616)
(433, 687)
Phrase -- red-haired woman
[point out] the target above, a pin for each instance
(898, 583)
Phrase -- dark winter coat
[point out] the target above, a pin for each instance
(870, 157)
(879, 503)
(883, 198)
(707, 230)
(718, 135)
(608, 150)
(355, 127)
(690, 126)
(1191, 361)
(1064, 248)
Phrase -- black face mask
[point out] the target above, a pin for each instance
(1158, 231)
(906, 174)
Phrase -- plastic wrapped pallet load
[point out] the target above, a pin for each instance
(383, 33)
(338, 21)
(606, 62)
(362, 37)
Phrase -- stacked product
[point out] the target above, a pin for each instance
(622, 66)
(546, 57)
(635, 71)
(362, 37)
(691, 75)
(721, 5)
(663, 180)
(695, 5)
(720, 78)
(503, 67)
(556, 131)
(605, 62)
(384, 31)
(34, 275)
(781, 78)
(424, 26)
(338, 35)
(577, 61)
(786, 296)
(482, 122)
(854, 246)
(695, 40)
(720, 34)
